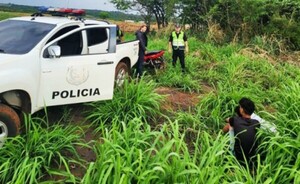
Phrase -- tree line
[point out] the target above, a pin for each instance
(236, 19)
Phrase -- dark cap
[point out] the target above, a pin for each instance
(247, 105)
(177, 25)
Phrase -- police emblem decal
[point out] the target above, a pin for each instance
(77, 76)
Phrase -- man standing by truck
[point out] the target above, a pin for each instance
(142, 37)
(178, 43)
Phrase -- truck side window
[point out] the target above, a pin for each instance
(58, 34)
(61, 32)
(97, 40)
(96, 36)
(71, 45)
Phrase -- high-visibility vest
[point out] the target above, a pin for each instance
(119, 33)
(178, 42)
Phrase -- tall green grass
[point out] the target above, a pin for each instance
(137, 145)
(135, 99)
(174, 77)
(42, 151)
(190, 147)
(288, 100)
(133, 153)
(280, 152)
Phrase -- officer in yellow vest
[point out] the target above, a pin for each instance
(120, 35)
(178, 43)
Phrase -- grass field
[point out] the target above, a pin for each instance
(138, 139)
(6, 15)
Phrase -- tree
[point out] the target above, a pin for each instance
(240, 18)
(103, 15)
(245, 19)
(160, 9)
(195, 12)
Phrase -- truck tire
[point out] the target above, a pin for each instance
(122, 71)
(9, 123)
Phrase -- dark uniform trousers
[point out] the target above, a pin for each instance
(178, 53)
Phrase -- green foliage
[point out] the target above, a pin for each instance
(41, 151)
(290, 71)
(17, 8)
(129, 36)
(270, 44)
(286, 144)
(136, 99)
(6, 15)
(149, 9)
(138, 145)
(242, 18)
(288, 101)
(289, 9)
(194, 12)
(133, 153)
(246, 19)
(103, 15)
(214, 108)
(122, 4)
(174, 77)
(285, 29)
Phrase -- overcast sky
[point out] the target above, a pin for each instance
(84, 4)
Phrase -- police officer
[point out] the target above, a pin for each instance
(178, 43)
(119, 34)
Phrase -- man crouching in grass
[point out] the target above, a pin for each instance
(245, 131)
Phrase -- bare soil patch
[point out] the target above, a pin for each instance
(177, 100)
(132, 26)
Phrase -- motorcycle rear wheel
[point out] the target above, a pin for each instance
(159, 63)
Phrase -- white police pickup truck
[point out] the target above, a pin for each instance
(56, 60)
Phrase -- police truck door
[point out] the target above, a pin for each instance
(79, 73)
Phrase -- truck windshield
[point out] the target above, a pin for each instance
(19, 37)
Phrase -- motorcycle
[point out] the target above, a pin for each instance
(155, 59)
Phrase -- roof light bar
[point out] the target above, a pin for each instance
(61, 11)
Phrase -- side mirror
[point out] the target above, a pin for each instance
(54, 51)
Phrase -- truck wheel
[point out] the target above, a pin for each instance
(122, 72)
(9, 123)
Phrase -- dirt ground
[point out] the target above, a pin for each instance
(177, 100)
(131, 26)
